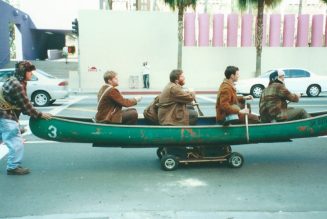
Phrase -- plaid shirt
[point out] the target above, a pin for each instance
(15, 93)
(273, 102)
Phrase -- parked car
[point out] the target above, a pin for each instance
(44, 89)
(296, 80)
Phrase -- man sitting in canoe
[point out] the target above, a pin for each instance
(111, 102)
(228, 104)
(173, 100)
(273, 101)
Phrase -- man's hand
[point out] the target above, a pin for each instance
(46, 116)
(298, 95)
(248, 97)
(244, 111)
(138, 98)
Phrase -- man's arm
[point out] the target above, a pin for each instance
(181, 96)
(118, 98)
(224, 102)
(285, 93)
(23, 102)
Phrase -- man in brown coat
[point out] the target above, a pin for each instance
(173, 102)
(273, 101)
(228, 102)
(110, 103)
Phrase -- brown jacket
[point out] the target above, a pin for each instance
(110, 105)
(227, 101)
(151, 112)
(273, 102)
(172, 105)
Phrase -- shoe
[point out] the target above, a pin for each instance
(18, 171)
(22, 130)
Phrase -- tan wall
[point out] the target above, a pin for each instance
(121, 41)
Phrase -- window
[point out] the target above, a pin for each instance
(297, 73)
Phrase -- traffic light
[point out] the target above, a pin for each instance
(75, 26)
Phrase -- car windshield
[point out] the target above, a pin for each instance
(44, 73)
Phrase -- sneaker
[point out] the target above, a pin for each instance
(18, 171)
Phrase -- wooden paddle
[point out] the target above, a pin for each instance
(197, 106)
(247, 125)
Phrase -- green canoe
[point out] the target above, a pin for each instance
(206, 132)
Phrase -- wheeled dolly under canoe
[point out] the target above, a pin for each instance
(171, 157)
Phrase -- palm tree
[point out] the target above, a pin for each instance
(181, 5)
(259, 30)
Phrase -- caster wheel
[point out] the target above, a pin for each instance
(235, 160)
(169, 162)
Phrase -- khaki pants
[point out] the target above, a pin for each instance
(296, 113)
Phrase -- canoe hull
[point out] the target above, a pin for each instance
(84, 131)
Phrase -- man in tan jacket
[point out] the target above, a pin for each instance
(173, 100)
(228, 102)
(111, 102)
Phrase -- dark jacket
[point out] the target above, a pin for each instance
(14, 92)
(273, 102)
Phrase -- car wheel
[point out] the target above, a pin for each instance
(313, 90)
(256, 90)
(41, 98)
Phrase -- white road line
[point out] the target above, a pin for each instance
(3, 150)
(55, 111)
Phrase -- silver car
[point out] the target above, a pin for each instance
(296, 80)
(44, 89)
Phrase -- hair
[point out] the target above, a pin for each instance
(109, 75)
(21, 68)
(230, 70)
(274, 76)
(174, 75)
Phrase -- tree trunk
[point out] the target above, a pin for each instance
(300, 8)
(259, 36)
(180, 36)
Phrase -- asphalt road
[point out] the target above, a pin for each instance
(68, 180)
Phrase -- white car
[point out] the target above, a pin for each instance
(44, 89)
(296, 80)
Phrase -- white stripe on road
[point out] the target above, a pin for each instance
(55, 111)
(3, 150)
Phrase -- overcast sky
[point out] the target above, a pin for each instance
(56, 14)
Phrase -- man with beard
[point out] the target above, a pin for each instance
(173, 101)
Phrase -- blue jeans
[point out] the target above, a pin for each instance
(11, 136)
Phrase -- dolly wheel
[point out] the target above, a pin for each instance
(160, 152)
(235, 160)
(169, 162)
